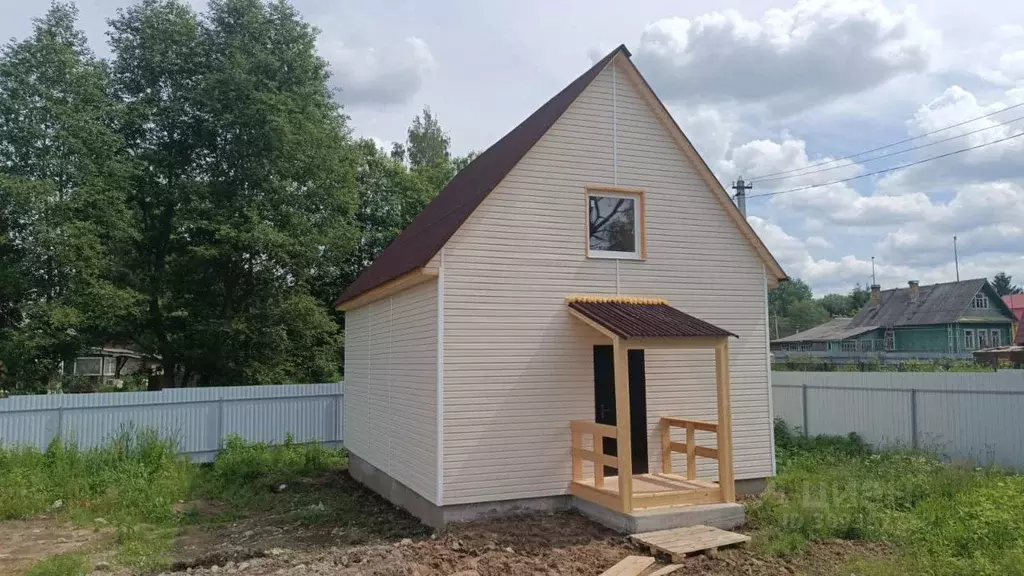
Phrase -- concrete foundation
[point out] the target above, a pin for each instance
(751, 486)
(724, 516)
(438, 516)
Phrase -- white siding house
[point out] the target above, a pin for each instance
(510, 365)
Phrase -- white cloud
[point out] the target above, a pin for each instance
(379, 76)
(808, 54)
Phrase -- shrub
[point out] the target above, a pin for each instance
(242, 465)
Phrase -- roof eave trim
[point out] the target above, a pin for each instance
(389, 288)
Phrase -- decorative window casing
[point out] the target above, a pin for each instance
(980, 301)
(997, 338)
(616, 223)
(968, 339)
(849, 345)
(982, 338)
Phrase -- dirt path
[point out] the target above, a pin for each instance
(25, 542)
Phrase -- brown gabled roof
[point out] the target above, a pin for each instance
(429, 231)
(643, 318)
(443, 216)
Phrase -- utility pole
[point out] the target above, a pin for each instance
(956, 260)
(741, 188)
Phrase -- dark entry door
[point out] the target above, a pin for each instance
(604, 403)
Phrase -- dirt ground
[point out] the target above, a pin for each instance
(333, 526)
(560, 544)
(23, 543)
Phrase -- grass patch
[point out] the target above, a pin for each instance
(944, 519)
(135, 480)
(62, 565)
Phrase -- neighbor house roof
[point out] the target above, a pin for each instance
(443, 216)
(642, 317)
(831, 331)
(936, 304)
(1016, 304)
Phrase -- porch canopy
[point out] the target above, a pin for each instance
(651, 323)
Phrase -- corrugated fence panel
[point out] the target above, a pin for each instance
(198, 418)
(961, 415)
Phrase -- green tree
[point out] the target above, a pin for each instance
(1004, 285)
(836, 304)
(64, 223)
(247, 198)
(806, 314)
(788, 293)
(428, 144)
(461, 162)
(859, 296)
(390, 196)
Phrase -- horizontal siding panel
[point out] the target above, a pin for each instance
(391, 358)
(518, 368)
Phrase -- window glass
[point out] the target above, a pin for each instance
(969, 339)
(613, 225)
(88, 366)
(980, 301)
(997, 338)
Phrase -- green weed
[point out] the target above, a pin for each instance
(945, 519)
(134, 481)
(62, 565)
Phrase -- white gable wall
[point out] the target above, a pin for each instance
(391, 386)
(517, 367)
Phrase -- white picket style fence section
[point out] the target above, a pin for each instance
(964, 416)
(199, 418)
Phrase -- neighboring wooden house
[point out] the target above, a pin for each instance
(951, 319)
(1016, 305)
(476, 381)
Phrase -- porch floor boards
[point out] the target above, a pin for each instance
(658, 483)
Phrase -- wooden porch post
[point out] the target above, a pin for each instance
(624, 444)
(725, 470)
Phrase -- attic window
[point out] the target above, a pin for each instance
(615, 224)
(980, 301)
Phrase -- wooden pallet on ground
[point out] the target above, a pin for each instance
(678, 542)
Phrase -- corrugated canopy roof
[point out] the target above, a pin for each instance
(643, 318)
(831, 331)
(936, 304)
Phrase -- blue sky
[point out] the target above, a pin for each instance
(759, 86)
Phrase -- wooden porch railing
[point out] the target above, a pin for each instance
(690, 448)
(597, 456)
(692, 451)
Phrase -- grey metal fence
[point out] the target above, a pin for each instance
(976, 416)
(199, 418)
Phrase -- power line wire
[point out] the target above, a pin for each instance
(891, 144)
(892, 169)
(896, 153)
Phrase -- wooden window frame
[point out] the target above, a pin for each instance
(640, 195)
(980, 301)
(969, 344)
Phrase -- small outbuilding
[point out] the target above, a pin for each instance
(579, 319)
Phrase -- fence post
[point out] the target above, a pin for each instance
(339, 424)
(913, 418)
(60, 418)
(803, 388)
(220, 423)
